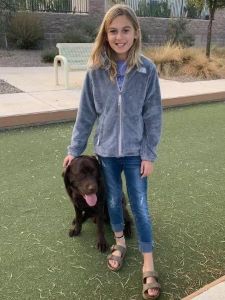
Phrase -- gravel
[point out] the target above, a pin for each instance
(21, 58)
(6, 88)
(18, 58)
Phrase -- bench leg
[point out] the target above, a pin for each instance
(56, 71)
(66, 75)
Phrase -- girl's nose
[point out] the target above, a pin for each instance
(119, 35)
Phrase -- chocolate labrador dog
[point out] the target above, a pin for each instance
(85, 187)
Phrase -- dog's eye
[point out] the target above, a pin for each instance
(74, 183)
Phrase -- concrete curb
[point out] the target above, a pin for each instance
(194, 99)
(40, 118)
(205, 288)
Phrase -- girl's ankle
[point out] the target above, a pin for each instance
(120, 240)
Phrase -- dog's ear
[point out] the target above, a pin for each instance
(64, 171)
(93, 157)
(95, 160)
(66, 177)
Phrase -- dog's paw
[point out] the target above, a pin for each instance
(74, 231)
(102, 245)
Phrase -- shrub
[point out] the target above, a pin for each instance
(163, 57)
(174, 61)
(48, 55)
(177, 32)
(153, 9)
(85, 34)
(25, 31)
(197, 65)
(218, 51)
(76, 36)
(194, 8)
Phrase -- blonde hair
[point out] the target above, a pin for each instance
(102, 55)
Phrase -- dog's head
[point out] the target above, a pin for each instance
(82, 177)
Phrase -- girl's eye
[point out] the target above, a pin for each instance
(112, 31)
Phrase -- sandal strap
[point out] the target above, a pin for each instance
(152, 285)
(119, 259)
(153, 274)
(119, 237)
(119, 248)
(114, 257)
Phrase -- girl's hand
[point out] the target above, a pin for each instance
(67, 160)
(147, 168)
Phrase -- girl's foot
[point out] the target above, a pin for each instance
(115, 259)
(151, 287)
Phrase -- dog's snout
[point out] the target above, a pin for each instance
(91, 188)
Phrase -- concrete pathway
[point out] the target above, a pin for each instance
(43, 102)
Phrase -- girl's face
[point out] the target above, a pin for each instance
(120, 36)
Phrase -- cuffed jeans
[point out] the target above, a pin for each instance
(112, 168)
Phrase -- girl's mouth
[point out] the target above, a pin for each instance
(120, 45)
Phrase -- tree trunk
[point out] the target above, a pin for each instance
(209, 35)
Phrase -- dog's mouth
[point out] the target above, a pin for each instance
(91, 199)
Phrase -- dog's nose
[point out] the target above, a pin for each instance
(91, 188)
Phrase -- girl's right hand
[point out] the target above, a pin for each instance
(67, 160)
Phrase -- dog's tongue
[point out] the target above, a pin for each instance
(91, 199)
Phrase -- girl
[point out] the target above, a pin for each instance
(121, 93)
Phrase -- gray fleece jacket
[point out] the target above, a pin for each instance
(128, 122)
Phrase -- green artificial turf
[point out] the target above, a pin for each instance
(39, 261)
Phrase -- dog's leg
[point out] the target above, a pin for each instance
(101, 241)
(127, 219)
(127, 223)
(77, 223)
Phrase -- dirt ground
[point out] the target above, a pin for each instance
(21, 58)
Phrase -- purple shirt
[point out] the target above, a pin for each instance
(121, 70)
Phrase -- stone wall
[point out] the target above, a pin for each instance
(156, 28)
(55, 24)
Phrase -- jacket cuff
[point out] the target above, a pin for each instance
(71, 151)
(148, 156)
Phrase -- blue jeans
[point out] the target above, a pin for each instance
(112, 168)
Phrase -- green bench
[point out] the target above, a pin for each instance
(72, 57)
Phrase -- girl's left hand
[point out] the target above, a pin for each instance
(146, 168)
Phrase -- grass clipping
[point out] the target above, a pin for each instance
(174, 61)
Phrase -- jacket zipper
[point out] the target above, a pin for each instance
(120, 124)
(120, 116)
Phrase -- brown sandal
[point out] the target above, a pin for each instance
(119, 259)
(153, 285)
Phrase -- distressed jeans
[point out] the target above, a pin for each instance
(112, 169)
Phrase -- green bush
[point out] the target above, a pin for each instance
(76, 36)
(194, 8)
(177, 33)
(85, 34)
(48, 55)
(153, 9)
(25, 31)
